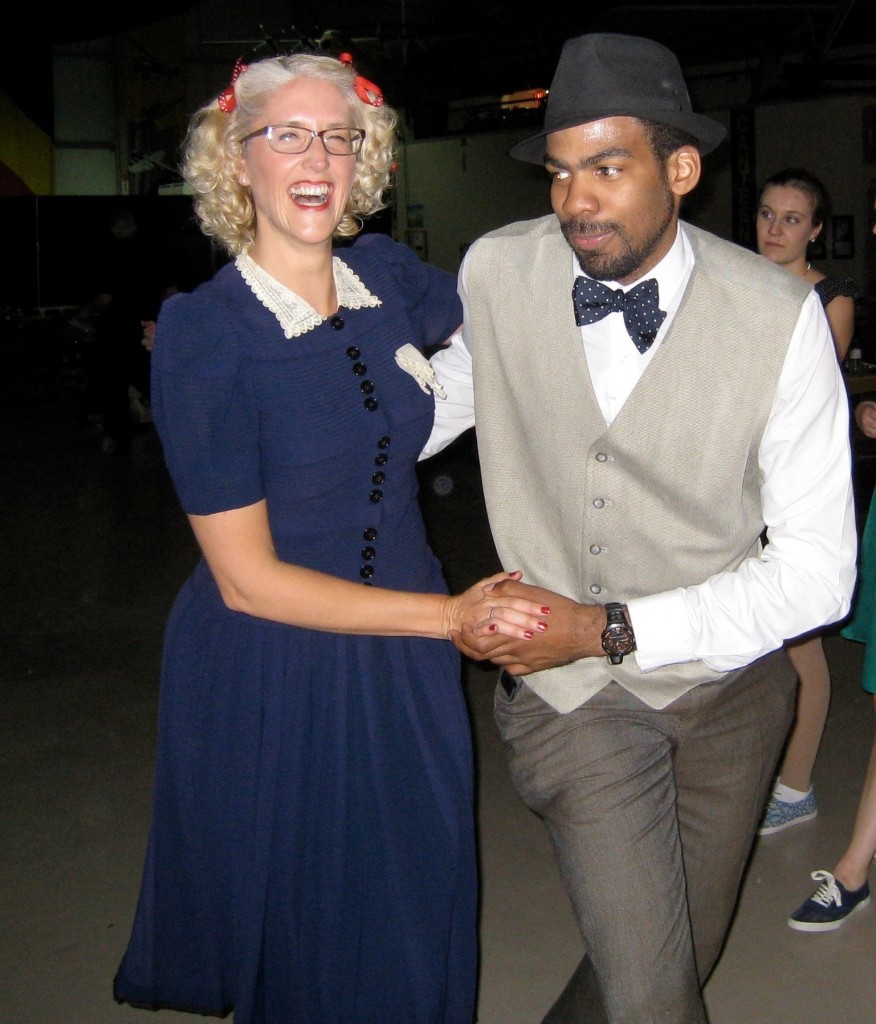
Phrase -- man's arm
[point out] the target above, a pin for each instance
(454, 413)
(803, 579)
(805, 576)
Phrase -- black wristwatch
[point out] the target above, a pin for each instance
(618, 638)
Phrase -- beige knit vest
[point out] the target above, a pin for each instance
(668, 494)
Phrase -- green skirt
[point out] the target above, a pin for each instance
(862, 625)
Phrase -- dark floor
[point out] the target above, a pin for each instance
(93, 549)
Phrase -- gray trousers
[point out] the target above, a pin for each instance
(652, 815)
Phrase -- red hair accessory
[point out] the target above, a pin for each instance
(367, 91)
(227, 99)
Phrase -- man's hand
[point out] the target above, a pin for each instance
(574, 632)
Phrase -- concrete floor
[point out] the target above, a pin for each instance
(93, 550)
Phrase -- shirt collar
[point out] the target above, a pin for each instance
(671, 273)
(296, 316)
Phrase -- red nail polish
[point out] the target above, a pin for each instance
(545, 611)
(542, 626)
(492, 627)
(529, 634)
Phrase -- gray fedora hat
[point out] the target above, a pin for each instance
(605, 74)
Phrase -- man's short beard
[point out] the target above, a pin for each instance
(620, 266)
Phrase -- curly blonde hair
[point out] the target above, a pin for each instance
(213, 148)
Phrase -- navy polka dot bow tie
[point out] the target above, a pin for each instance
(640, 307)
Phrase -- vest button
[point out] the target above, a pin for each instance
(598, 503)
(595, 588)
(601, 457)
(595, 549)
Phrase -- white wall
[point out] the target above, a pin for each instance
(464, 186)
(86, 126)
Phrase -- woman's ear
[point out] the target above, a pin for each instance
(240, 172)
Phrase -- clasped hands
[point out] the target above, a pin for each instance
(567, 631)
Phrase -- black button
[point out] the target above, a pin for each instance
(352, 352)
(366, 387)
(370, 534)
(366, 572)
(337, 323)
(360, 369)
(376, 496)
(371, 404)
(368, 554)
(381, 460)
(383, 442)
(378, 478)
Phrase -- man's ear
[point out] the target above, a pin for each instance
(683, 170)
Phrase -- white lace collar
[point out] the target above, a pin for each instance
(296, 316)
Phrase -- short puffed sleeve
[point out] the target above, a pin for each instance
(428, 294)
(203, 406)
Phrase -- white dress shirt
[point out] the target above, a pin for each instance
(805, 575)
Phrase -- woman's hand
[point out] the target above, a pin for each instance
(482, 609)
(148, 339)
(865, 417)
(575, 633)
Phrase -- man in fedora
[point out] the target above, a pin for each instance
(649, 400)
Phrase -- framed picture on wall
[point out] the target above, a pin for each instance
(843, 236)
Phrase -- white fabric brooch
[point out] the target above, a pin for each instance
(412, 361)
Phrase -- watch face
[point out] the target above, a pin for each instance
(618, 640)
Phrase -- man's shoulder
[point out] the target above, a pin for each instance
(540, 227)
(523, 237)
(736, 265)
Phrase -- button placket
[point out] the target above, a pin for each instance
(367, 388)
(599, 503)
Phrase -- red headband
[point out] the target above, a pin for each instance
(227, 99)
(367, 91)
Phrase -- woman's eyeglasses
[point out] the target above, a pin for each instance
(289, 139)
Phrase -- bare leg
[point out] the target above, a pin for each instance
(854, 865)
(813, 700)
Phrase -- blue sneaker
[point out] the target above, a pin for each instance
(780, 814)
(829, 905)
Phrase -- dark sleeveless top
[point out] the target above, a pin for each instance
(830, 287)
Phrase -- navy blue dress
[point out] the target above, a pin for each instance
(311, 858)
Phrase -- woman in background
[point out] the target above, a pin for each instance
(791, 214)
(846, 889)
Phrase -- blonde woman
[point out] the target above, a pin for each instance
(312, 855)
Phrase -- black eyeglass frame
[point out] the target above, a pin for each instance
(356, 140)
